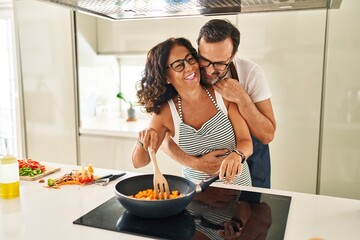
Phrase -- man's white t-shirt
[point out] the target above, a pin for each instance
(252, 78)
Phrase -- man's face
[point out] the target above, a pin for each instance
(217, 56)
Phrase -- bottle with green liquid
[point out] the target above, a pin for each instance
(9, 177)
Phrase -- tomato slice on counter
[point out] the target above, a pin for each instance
(30, 163)
(87, 179)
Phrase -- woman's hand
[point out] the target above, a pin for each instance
(140, 156)
(232, 231)
(148, 137)
(230, 167)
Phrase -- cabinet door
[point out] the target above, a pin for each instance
(289, 46)
(340, 158)
(138, 36)
(115, 153)
(47, 70)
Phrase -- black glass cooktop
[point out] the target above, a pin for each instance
(262, 215)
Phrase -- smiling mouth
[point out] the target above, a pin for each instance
(191, 76)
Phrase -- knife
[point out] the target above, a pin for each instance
(104, 180)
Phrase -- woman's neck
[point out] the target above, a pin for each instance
(193, 95)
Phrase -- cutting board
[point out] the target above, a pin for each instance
(48, 171)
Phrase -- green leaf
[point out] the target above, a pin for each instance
(122, 96)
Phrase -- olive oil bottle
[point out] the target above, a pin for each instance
(9, 177)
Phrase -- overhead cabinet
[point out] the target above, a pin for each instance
(138, 36)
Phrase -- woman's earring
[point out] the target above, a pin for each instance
(167, 82)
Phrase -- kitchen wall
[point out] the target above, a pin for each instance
(311, 73)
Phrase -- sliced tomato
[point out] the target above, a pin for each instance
(86, 179)
(86, 175)
(30, 163)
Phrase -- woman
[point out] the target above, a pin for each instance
(195, 116)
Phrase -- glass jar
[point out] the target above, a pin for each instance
(9, 177)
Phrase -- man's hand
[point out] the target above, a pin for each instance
(210, 163)
(230, 89)
(259, 116)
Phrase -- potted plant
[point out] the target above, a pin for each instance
(130, 110)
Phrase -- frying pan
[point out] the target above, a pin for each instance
(158, 208)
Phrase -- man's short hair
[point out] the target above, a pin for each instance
(217, 30)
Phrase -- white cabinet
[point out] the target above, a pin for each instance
(115, 153)
(47, 71)
(290, 48)
(138, 36)
(340, 155)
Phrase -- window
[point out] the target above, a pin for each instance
(8, 92)
(131, 68)
(100, 78)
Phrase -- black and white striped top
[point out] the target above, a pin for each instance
(216, 133)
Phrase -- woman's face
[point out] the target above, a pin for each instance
(183, 70)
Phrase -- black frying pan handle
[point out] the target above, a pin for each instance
(204, 184)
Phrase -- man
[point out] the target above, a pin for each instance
(218, 43)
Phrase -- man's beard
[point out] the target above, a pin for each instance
(215, 77)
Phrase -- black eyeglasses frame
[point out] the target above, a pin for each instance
(199, 57)
(182, 62)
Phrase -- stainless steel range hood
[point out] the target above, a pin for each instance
(139, 9)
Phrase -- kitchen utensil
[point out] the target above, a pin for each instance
(160, 183)
(158, 208)
(108, 178)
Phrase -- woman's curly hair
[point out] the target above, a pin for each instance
(152, 89)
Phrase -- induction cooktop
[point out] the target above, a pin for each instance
(263, 215)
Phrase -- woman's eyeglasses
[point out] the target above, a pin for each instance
(219, 66)
(179, 65)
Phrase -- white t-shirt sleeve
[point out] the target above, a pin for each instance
(220, 102)
(253, 79)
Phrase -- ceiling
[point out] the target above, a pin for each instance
(139, 9)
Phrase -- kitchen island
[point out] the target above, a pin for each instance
(43, 213)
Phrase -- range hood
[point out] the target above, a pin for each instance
(140, 9)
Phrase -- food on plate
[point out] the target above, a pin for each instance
(149, 194)
(79, 177)
(30, 167)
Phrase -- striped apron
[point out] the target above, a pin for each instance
(216, 133)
